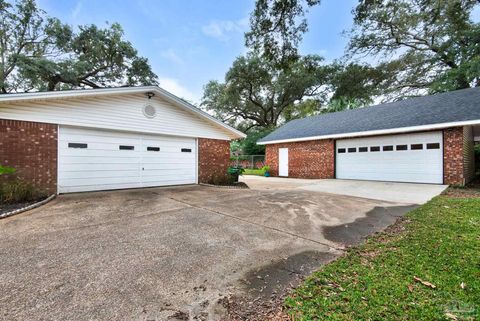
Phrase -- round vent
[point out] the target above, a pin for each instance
(149, 111)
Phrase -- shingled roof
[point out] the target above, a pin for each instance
(428, 112)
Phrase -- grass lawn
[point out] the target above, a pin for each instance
(438, 243)
(258, 172)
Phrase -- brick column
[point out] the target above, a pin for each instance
(31, 148)
(213, 159)
(453, 162)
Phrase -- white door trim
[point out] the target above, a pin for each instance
(283, 162)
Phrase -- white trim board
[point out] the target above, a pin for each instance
(375, 132)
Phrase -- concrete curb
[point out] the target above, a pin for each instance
(29, 207)
(225, 186)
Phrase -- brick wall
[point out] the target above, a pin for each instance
(32, 149)
(453, 157)
(213, 159)
(310, 159)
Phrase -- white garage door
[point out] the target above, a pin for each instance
(90, 160)
(414, 158)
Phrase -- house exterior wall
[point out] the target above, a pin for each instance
(213, 159)
(309, 159)
(316, 158)
(31, 148)
(115, 112)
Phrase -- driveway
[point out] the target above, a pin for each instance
(407, 193)
(182, 253)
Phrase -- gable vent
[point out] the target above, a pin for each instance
(149, 111)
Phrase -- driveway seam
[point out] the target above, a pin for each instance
(257, 224)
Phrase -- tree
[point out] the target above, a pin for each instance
(256, 94)
(426, 45)
(248, 146)
(22, 33)
(41, 53)
(277, 27)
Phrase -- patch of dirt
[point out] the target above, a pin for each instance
(471, 190)
(458, 192)
(266, 288)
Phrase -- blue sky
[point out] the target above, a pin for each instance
(189, 42)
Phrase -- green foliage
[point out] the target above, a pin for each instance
(7, 170)
(17, 191)
(342, 103)
(256, 172)
(234, 172)
(266, 168)
(277, 28)
(248, 145)
(256, 94)
(425, 44)
(438, 243)
(41, 53)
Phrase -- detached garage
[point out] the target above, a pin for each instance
(104, 139)
(421, 140)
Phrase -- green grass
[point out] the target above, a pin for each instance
(258, 172)
(438, 242)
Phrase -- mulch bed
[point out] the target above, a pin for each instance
(5, 208)
(239, 185)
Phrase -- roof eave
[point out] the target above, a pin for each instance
(121, 90)
(375, 132)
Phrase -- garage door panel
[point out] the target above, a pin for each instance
(92, 174)
(424, 165)
(99, 187)
(87, 152)
(100, 167)
(103, 165)
(167, 183)
(82, 181)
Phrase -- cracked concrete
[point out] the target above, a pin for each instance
(172, 253)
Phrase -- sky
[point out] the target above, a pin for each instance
(189, 42)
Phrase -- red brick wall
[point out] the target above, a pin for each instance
(453, 162)
(32, 149)
(310, 159)
(213, 159)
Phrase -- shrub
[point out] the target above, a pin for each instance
(7, 170)
(266, 169)
(18, 191)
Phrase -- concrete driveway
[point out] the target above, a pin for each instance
(174, 253)
(407, 193)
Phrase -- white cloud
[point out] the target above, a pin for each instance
(171, 54)
(76, 10)
(220, 29)
(172, 85)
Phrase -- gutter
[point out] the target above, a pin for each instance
(375, 132)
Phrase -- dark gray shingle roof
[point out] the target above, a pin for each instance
(454, 106)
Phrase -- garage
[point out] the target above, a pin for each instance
(398, 158)
(91, 160)
(111, 138)
(428, 139)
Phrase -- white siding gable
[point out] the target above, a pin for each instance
(117, 112)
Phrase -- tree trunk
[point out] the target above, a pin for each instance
(51, 85)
